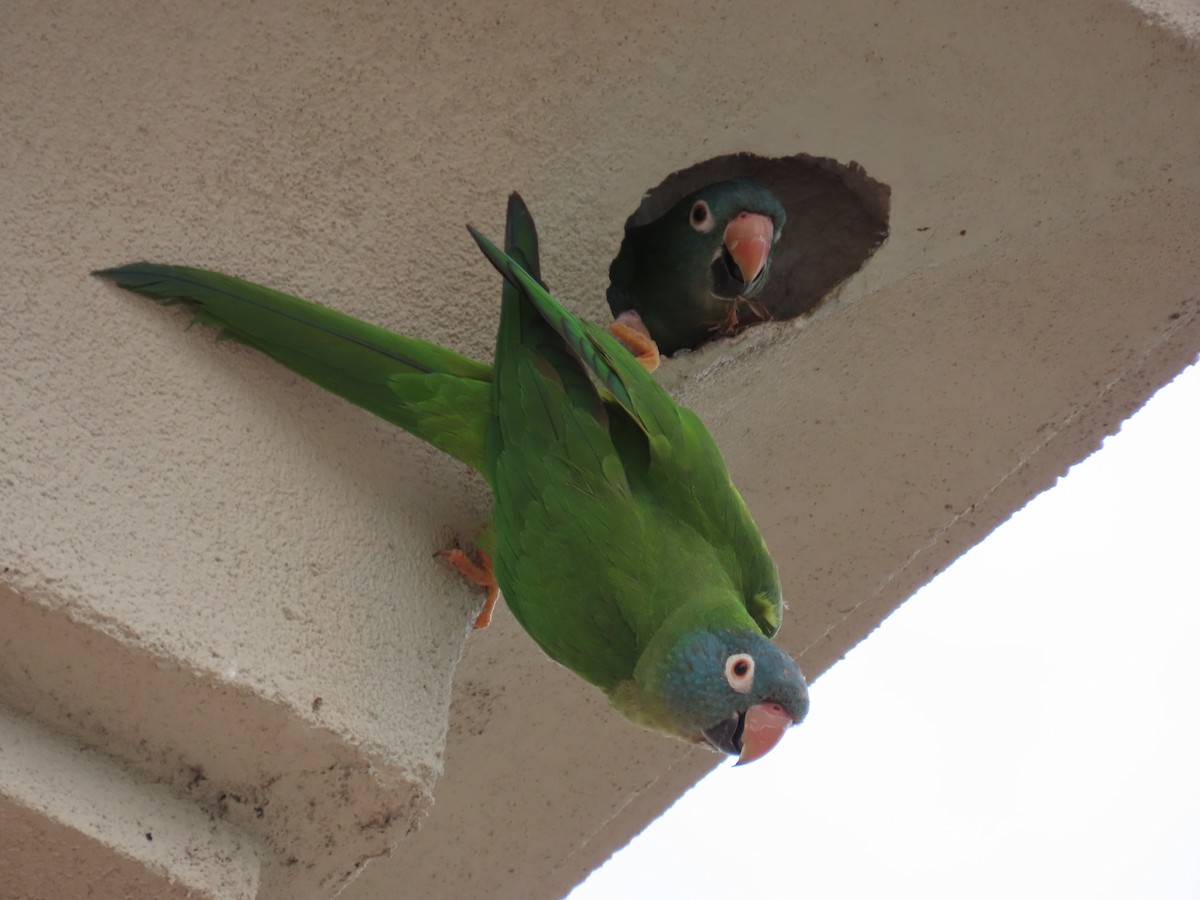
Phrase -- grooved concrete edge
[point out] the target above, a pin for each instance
(228, 761)
(176, 849)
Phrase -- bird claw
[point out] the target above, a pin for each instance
(761, 313)
(478, 573)
(632, 332)
(731, 324)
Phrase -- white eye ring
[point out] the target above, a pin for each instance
(739, 672)
(700, 217)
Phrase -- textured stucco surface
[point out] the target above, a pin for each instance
(71, 820)
(215, 570)
(1182, 16)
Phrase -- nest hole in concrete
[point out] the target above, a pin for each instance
(837, 217)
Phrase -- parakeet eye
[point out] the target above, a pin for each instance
(701, 217)
(739, 672)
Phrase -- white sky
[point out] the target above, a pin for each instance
(1027, 725)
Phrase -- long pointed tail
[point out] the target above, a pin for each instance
(438, 395)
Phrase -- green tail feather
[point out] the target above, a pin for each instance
(438, 395)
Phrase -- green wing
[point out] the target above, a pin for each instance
(436, 394)
(621, 482)
(555, 506)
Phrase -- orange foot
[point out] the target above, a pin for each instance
(477, 573)
(630, 331)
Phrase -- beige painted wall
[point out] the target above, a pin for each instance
(197, 548)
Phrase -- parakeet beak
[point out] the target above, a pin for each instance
(748, 242)
(764, 726)
(750, 735)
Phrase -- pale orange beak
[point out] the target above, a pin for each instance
(764, 726)
(748, 239)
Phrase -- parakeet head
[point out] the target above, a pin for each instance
(699, 268)
(733, 689)
(733, 227)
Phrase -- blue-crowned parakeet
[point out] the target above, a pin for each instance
(697, 271)
(618, 540)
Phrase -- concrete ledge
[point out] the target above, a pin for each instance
(233, 760)
(74, 822)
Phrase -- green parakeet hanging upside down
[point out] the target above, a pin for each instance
(619, 542)
(697, 271)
